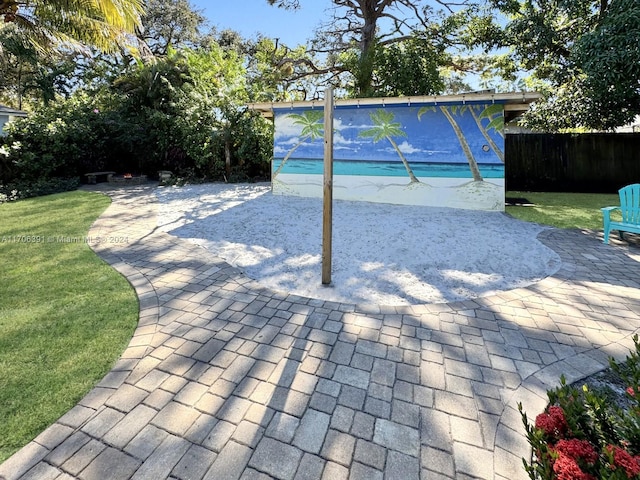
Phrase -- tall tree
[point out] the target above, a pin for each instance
(273, 79)
(106, 24)
(172, 23)
(583, 54)
(27, 75)
(365, 27)
(407, 68)
(609, 56)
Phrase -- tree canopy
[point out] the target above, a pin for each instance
(361, 39)
(172, 23)
(583, 54)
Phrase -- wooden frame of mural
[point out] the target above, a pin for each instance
(442, 151)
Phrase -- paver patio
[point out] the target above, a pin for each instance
(226, 379)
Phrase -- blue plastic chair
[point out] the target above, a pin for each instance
(630, 210)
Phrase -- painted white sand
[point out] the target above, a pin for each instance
(382, 254)
(433, 191)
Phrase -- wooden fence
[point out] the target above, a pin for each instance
(599, 162)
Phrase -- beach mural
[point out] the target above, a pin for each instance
(445, 155)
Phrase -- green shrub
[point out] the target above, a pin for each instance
(249, 140)
(43, 186)
(57, 141)
(155, 116)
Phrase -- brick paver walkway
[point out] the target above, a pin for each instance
(225, 379)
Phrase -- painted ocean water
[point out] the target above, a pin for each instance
(388, 169)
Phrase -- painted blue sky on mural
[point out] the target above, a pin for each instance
(429, 139)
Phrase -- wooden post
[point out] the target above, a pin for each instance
(327, 206)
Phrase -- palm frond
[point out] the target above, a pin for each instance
(375, 133)
(108, 25)
(424, 110)
(491, 110)
(497, 124)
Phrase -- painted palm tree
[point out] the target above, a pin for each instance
(105, 24)
(312, 123)
(385, 127)
(494, 113)
(449, 112)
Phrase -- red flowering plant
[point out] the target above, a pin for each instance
(584, 435)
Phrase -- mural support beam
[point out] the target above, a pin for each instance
(327, 206)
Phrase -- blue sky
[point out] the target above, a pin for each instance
(431, 139)
(250, 17)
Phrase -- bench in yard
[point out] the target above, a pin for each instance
(630, 210)
(164, 175)
(93, 176)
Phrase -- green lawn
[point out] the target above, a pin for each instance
(65, 315)
(563, 210)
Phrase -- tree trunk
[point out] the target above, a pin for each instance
(413, 178)
(289, 153)
(20, 87)
(473, 165)
(227, 157)
(488, 138)
(367, 46)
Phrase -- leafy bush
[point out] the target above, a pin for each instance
(20, 190)
(169, 114)
(62, 140)
(583, 435)
(243, 138)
